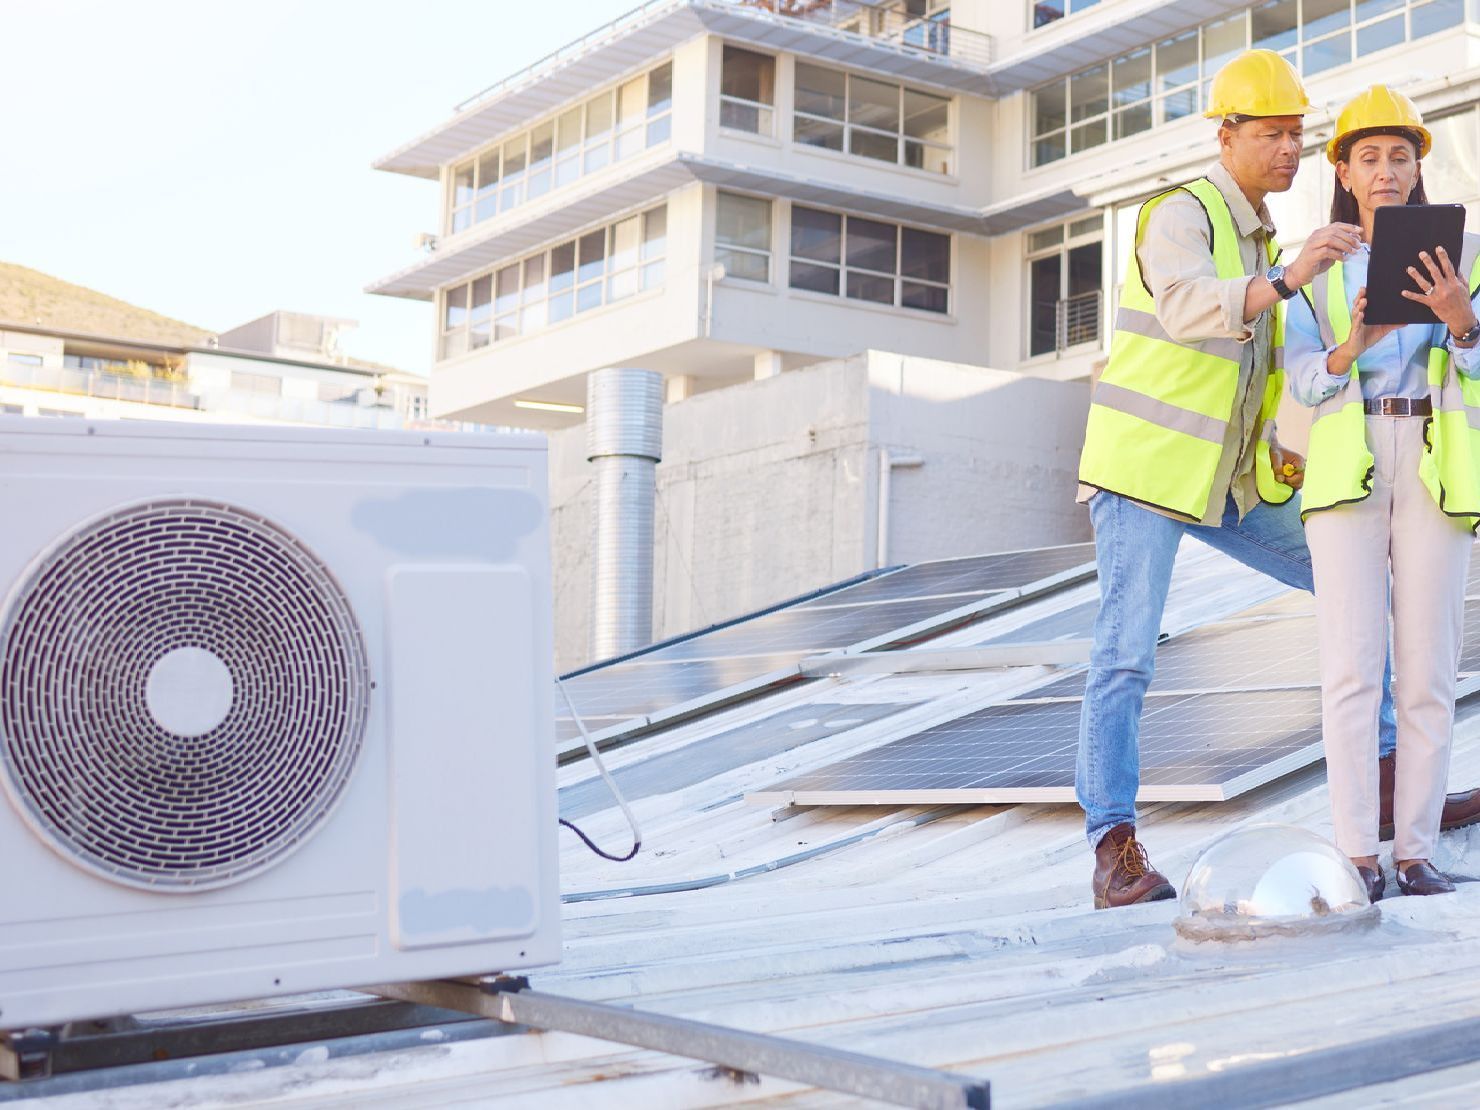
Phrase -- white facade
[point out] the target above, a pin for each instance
(50, 373)
(667, 110)
(770, 489)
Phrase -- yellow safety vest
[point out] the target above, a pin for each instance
(1338, 469)
(1161, 409)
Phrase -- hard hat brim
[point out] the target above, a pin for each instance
(1407, 131)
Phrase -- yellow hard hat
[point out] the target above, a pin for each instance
(1257, 83)
(1379, 110)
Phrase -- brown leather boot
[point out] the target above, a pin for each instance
(1460, 810)
(1123, 873)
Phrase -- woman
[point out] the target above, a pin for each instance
(1390, 487)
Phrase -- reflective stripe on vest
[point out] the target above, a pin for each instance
(1338, 461)
(1160, 411)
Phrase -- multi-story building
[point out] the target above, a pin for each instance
(283, 369)
(722, 190)
(719, 190)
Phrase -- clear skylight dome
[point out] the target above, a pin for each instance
(1272, 880)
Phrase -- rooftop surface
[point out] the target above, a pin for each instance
(955, 936)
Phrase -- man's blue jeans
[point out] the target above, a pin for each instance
(1134, 551)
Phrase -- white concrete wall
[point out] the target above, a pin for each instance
(768, 489)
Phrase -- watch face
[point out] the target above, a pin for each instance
(1275, 273)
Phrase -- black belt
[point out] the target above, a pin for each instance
(1399, 406)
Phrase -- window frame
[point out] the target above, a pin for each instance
(843, 269)
(590, 154)
(764, 111)
(1065, 244)
(601, 284)
(901, 139)
(768, 254)
(1295, 52)
(1072, 8)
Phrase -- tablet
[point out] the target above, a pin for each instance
(1399, 232)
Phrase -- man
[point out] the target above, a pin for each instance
(1181, 438)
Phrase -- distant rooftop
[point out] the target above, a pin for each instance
(36, 302)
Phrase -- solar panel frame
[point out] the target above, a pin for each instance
(836, 614)
(1045, 771)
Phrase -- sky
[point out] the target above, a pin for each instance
(211, 160)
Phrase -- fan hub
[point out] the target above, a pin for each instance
(189, 691)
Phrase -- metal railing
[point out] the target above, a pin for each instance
(145, 390)
(887, 21)
(1077, 320)
(140, 389)
(880, 20)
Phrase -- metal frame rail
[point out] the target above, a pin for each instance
(510, 1000)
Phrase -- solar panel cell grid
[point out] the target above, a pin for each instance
(1198, 741)
(764, 739)
(976, 574)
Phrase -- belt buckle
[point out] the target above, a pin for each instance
(1395, 406)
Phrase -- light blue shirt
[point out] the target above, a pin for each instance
(1397, 366)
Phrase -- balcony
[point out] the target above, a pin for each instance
(1077, 320)
(880, 36)
(140, 389)
(893, 23)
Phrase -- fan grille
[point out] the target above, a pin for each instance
(82, 742)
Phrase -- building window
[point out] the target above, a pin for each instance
(608, 127)
(20, 359)
(869, 260)
(1064, 286)
(871, 119)
(11, 410)
(600, 267)
(747, 91)
(742, 236)
(1170, 79)
(1047, 11)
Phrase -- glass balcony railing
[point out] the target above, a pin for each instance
(140, 389)
(224, 403)
(917, 24)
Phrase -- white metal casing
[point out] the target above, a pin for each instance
(438, 856)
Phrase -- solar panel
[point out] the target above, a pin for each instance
(977, 574)
(1238, 655)
(749, 743)
(745, 656)
(1077, 622)
(1197, 747)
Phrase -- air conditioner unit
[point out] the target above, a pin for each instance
(275, 713)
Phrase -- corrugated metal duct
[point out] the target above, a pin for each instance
(624, 441)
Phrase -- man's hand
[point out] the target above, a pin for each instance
(1325, 246)
(1443, 291)
(1289, 467)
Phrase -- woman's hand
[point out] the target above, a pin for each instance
(1443, 291)
(1362, 336)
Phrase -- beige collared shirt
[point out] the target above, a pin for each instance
(1193, 303)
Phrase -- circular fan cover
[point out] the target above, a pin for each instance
(183, 694)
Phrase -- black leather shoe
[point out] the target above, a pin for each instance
(1374, 880)
(1423, 877)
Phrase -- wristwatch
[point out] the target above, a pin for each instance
(1275, 275)
(1469, 337)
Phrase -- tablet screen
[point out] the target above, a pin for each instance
(1399, 232)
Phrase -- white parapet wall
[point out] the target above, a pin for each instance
(770, 488)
